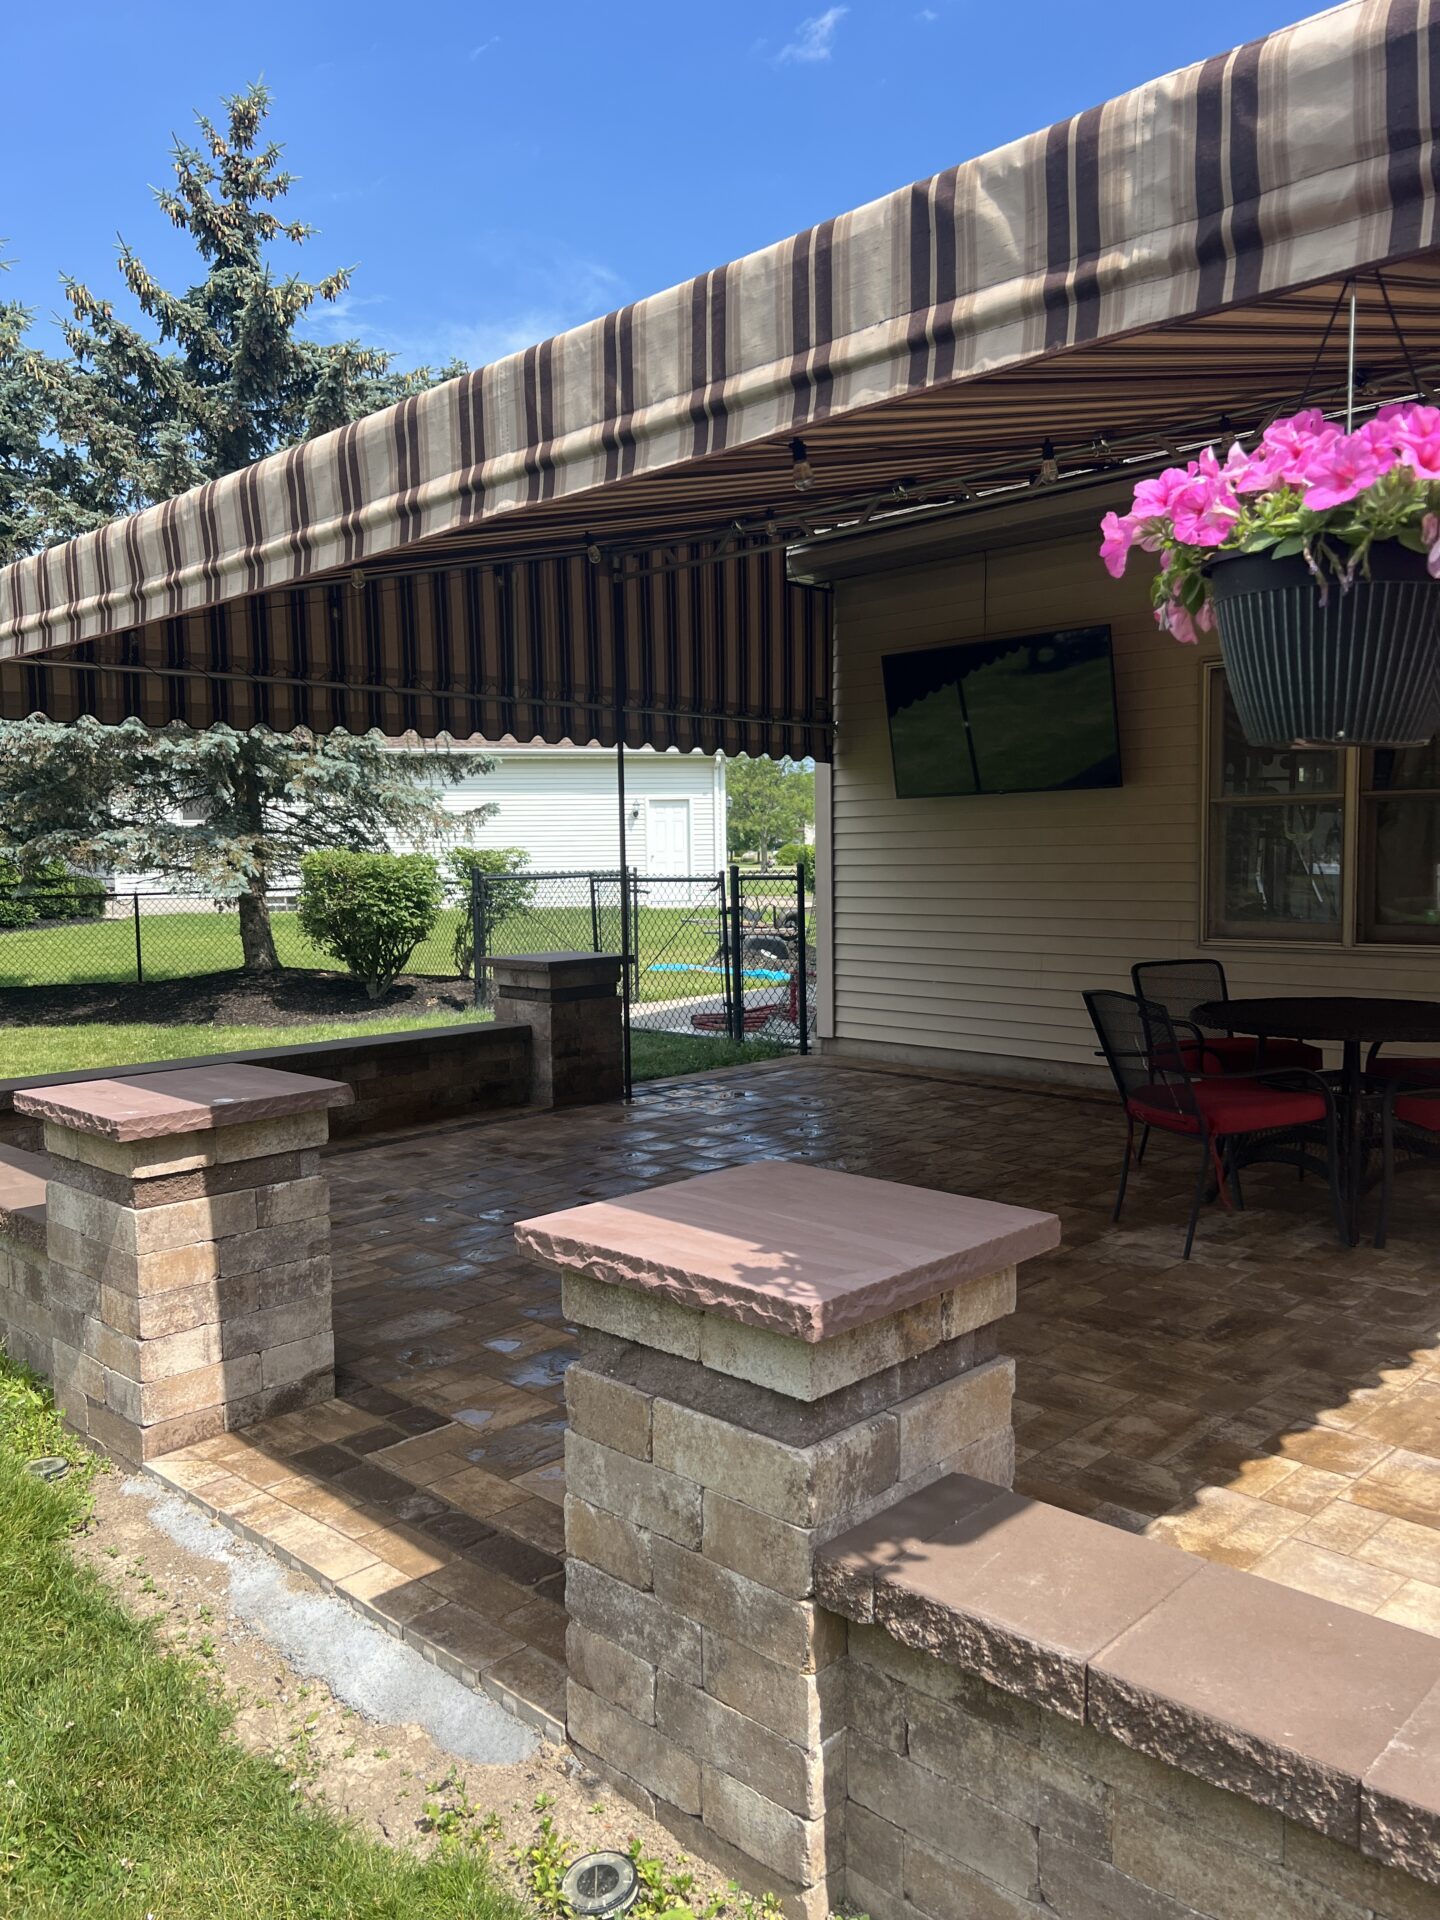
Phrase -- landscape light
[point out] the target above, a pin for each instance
(601, 1884)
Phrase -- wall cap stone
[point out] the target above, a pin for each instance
(557, 970)
(797, 1249)
(186, 1100)
(22, 1194)
(1324, 1713)
(462, 1033)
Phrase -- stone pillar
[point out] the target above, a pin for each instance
(768, 1355)
(571, 1004)
(187, 1233)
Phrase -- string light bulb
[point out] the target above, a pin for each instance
(1049, 465)
(802, 472)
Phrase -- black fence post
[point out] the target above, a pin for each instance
(479, 934)
(737, 951)
(626, 1004)
(594, 917)
(139, 957)
(802, 983)
(727, 971)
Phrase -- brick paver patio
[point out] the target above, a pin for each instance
(1274, 1404)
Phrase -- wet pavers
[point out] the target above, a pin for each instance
(1273, 1404)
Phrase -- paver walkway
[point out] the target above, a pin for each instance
(1274, 1404)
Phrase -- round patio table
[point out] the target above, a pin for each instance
(1347, 1020)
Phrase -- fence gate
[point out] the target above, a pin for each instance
(722, 955)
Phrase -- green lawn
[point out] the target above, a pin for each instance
(654, 1056)
(94, 1044)
(122, 1793)
(113, 1044)
(677, 947)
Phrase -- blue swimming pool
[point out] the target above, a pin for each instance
(751, 973)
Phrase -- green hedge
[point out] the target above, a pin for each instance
(47, 891)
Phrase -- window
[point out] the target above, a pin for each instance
(1277, 836)
(1286, 860)
(1401, 844)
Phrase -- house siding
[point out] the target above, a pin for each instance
(560, 807)
(969, 927)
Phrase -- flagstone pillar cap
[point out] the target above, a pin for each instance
(149, 1106)
(557, 969)
(796, 1249)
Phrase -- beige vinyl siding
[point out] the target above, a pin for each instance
(970, 926)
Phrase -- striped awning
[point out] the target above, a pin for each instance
(1139, 268)
(725, 655)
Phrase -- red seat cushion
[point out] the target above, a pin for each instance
(1400, 1066)
(1228, 1106)
(1419, 1110)
(1234, 1053)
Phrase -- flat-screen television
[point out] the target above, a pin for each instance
(1027, 715)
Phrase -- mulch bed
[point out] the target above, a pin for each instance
(293, 997)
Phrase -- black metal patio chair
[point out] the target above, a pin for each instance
(1179, 986)
(1410, 1114)
(1143, 1051)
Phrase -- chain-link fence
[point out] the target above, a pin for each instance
(88, 936)
(710, 954)
(777, 956)
(726, 955)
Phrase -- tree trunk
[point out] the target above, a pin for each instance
(257, 936)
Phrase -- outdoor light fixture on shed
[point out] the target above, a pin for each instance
(601, 1884)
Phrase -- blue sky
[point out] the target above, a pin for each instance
(499, 171)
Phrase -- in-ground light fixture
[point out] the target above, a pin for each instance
(50, 1466)
(599, 1885)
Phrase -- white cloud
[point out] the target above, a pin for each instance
(542, 294)
(814, 38)
(927, 15)
(485, 46)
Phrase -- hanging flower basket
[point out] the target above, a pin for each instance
(1354, 664)
(1317, 558)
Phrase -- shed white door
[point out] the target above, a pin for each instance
(667, 837)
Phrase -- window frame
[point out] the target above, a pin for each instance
(1370, 931)
(1357, 856)
(1212, 800)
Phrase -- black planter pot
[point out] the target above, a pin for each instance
(1359, 668)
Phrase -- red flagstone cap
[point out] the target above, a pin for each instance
(148, 1106)
(798, 1249)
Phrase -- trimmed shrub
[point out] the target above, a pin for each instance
(795, 854)
(507, 894)
(369, 910)
(47, 891)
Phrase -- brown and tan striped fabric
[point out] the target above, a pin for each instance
(1216, 191)
(726, 656)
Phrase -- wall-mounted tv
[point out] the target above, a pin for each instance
(1025, 715)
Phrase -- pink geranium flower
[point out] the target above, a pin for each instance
(1295, 493)
(1155, 499)
(1289, 447)
(1118, 536)
(1417, 442)
(1337, 472)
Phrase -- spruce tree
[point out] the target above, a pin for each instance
(217, 376)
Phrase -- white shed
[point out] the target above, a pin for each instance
(559, 805)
